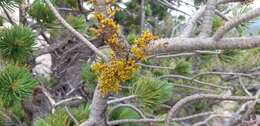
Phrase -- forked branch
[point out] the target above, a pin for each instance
(176, 108)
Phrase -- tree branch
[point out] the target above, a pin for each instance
(210, 118)
(74, 32)
(195, 88)
(71, 115)
(8, 16)
(191, 44)
(121, 99)
(170, 6)
(207, 23)
(176, 108)
(235, 22)
(197, 52)
(128, 106)
(187, 31)
(123, 121)
(191, 79)
(142, 19)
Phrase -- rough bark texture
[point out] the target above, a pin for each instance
(235, 22)
(187, 31)
(207, 23)
(191, 44)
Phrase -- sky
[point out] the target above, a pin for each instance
(256, 3)
(190, 10)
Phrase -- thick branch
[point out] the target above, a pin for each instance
(206, 27)
(235, 22)
(98, 108)
(190, 44)
(187, 31)
(176, 108)
(142, 13)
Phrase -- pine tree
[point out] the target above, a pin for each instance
(121, 63)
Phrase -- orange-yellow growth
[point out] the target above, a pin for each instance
(119, 69)
(112, 74)
(140, 45)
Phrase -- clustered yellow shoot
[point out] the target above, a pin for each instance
(141, 44)
(112, 74)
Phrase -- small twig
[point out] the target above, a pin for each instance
(52, 101)
(128, 106)
(155, 67)
(243, 86)
(199, 52)
(235, 22)
(221, 15)
(123, 121)
(8, 16)
(71, 115)
(194, 80)
(67, 100)
(170, 6)
(243, 107)
(210, 118)
(121, 99)
(195, 88)
(74, 32)
(176, 108)
(223, 73)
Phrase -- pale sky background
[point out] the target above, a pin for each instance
(256, 3)
(188, 9)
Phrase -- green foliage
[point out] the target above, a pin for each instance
(71, 3)
(151, 91)
(88, 74)
(48, 82)
(120, 16)
(81, 113)
(199, 2)
(217, 23)
(238, 11)
(16, 44)
(157, 10)
(183, 67)
(125, 113)
(1, 21)
(12, 116)
(229, 56)
(131, 38)
(41, 12)
(16, 83)
(61, 118)
(78, 22)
